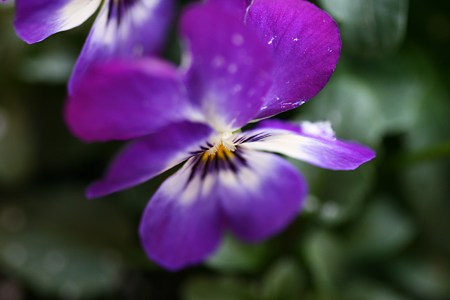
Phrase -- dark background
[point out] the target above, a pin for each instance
(381, 232)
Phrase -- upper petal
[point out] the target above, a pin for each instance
(151, 155)
(37, 19)
(126, 99)
(125, 29)
(306, 45)
(262, 196)
(314, 143)
(238, 6)
(182, 224)
(228, 68)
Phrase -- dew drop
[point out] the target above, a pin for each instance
(236, 88)
(271, 40)
(237, 39)
(218, 61)
(232, 68)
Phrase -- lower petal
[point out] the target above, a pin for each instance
(182, 224)
(314, 143)
(36, 19)
(262, 198)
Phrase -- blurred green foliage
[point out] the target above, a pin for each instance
(381, 232)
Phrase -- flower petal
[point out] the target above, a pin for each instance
(126, 99)
(238, 6)
(262, 197)
(182, 224)
(314, 143)
(228, 68)
(124, 30)
(150, 156)
(306, 46)
(37, 19)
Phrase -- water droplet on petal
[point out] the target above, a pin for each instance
(232, 68)
(218, 61)
(270, 42)
(237, 39)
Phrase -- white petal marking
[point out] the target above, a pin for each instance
(76, 12)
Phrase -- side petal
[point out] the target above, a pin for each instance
(261, 198)
(150, 156)
(238, 6)
(314, 143)
(124, 29)
(228, 69)
(182, 224)
(37, 20)
(126, 99)
(306, 45)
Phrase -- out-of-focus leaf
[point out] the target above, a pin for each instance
(428, 278)
(370, 27)
(430, 128)
(405, 85)
(283, 281)
(381, 230)
(49, 67)
(16, 142)
(235, 256)
(426, 188)
(64, 245)
(325, 259)
(56, 265)
(364, 102)
(336, 197)
(207, 288)
(366, 289)
(352, 107)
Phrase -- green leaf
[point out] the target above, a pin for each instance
(235, 256)
(370, 27)
(352, 107)
(426, 188)
(336, 197)
(57, 265)
(367, 289)
(364, 102)
(63, 245)
(51, 66)
(207, 288)
(427, 277)
(17, 145)
(381, 231)
(283, 281)
(325, 259)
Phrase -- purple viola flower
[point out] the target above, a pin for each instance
(123, 28)
(232, 73)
